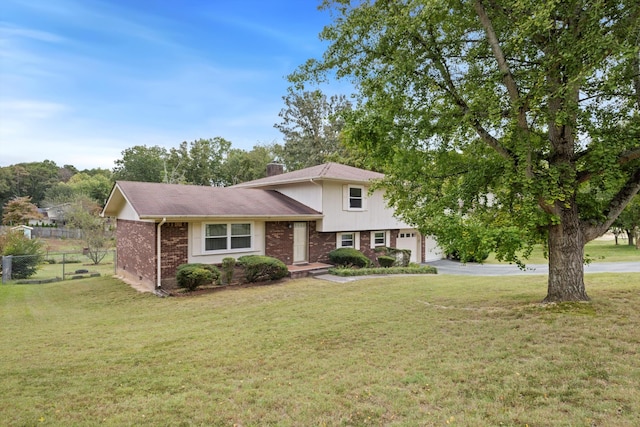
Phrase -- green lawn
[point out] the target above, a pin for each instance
(596, 251)
(395, 351)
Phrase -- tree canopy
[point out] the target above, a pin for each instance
(499, 124)
(241, 166)
(19, 210)
(312, 124)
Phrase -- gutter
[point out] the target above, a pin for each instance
(159, 254)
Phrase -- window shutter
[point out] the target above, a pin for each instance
(365, 198)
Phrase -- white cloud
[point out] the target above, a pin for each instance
(12, 31)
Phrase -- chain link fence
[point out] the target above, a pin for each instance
(53, 267)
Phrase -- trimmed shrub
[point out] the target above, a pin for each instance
(191, 276)
(402, 256)
(386, 261)
(347, 272)
(258, 268)
(349, 257)
(228, 266)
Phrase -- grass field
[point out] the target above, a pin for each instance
(393, 351)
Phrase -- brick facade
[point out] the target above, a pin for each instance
(137, 247)
(279, 241)
(365, 245)
(174, 250)
(320, 244)
(136, 251)
(393, 238)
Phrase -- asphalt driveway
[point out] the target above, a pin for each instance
(446, 266)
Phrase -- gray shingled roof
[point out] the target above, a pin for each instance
(326, 171)
(154, 200)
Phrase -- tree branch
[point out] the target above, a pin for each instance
(617, 205)
(509, 81)
(449, 87)
(636, 78)
(629, 155)
(507, 76)
(625, 157)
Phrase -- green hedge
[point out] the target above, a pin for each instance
(258, 268)
(386, 261)
(346, 272)
(191, 276)
(349, 257)
(228, 267)
(401, 257)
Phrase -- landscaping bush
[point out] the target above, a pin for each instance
(386, 261)
(349, 257)
(402, 257)
(228, 266)
(258, 268)
(28, 253)
(191, 276)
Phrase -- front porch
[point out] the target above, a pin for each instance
(297, 271)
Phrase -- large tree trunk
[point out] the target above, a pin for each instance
(566, 259)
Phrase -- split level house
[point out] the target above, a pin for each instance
(297, 217)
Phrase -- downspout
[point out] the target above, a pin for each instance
(159, 253)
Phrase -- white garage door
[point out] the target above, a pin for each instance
(409, 239)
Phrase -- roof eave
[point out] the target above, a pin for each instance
(302, 217)
(275, 184)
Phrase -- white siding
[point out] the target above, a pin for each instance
(196, 244)
(127, 212)
(308, 193)
(376, 216)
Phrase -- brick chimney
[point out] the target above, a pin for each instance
(275, 169)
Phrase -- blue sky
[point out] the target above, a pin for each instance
(82, 80)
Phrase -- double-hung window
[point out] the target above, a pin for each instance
(379, 238)
(350, 239)
(227, 237)
(240, 236)
(347, 240)
(354, 198)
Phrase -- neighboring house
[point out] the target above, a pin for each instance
(25, 229)
(297, 217)
(53, 215)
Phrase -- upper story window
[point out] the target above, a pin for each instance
(355, 198)
(227, 237)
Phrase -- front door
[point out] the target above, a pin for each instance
(300, 242)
